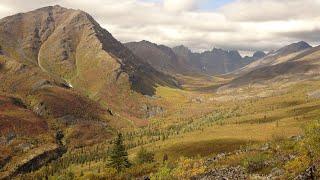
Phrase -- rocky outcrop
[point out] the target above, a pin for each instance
(224, 173)
(152, 111)
(309, 173)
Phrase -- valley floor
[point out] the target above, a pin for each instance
(199, 123)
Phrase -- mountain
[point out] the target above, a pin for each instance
(276, 57)
(70, 45)
(60, 71)
(291, 63)
(219, 61)
(216, 61)
(295, 47)
(258, 55)
(160, 57)
(180, 60)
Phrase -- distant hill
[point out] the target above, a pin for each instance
(276, 57)
(291, 63)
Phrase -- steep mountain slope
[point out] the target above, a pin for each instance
(216, 61)
(70, 44)
(46, 95)
(219, 61)
(257, 55)
(160, 57)
(65, 73)
(182, 61)
(282, 55)
(282, 66)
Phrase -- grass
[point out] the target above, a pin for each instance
(220, 122)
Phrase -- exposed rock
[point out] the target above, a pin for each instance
(265, 147)
(276, 172)
(41, 109)
(152, 111)
(308, 174)
(297, 138)
(198, 100)
(160, 57)
(152, 97)
(314, 94)
(216, 158)
(25, 147)
(224, 174)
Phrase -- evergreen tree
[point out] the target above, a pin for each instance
(118, 155)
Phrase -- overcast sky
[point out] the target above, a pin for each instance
(245, 25)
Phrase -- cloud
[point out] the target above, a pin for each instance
(179, 5)
(245, 25)
(271, 10)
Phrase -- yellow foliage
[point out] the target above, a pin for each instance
(297, 165)
(188, 168)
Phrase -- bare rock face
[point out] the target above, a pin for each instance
(258, 55)
(180, 60)
(160, 57)
(216, 61)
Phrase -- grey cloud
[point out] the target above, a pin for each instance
(246, 25)
(308, 35)
(271, 10)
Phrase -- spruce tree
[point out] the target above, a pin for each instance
(118, 155)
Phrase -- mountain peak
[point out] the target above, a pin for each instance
(259, 54)
(292, 48)
(181, 50)
(302, 43)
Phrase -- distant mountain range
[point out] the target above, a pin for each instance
(181, 60)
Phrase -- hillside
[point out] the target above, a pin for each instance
(276, 57)
(292, 63)
(69, 75)
(71, 45)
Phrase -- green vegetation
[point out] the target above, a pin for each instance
(118, 155)
(69, 95)
(144, 156)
